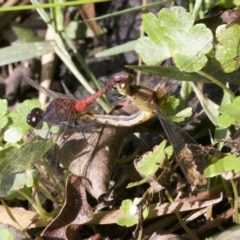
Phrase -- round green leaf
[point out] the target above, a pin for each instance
(173, 35)
(225, 121)
(228, 163)
(6, 234)
(128, 207)
(151, 52)
(3, 121)
(149, 163)
(228, 47)
(3, 106)
(13, 134)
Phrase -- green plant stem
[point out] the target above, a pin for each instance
(54, 16)
(41, 212)
(130, 158)
(217, 82)
(129, 10)
(181, 221)
(235, 195)
(140, 233)
(47, 5)
(186, 90)
(196, 9)
(80, 59)
(190, 6)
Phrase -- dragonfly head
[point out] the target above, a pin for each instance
(34, 119)
(120, 88)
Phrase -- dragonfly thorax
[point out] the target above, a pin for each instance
(60, 110)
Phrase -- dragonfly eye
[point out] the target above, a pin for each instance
(122, 85)
(35, 117)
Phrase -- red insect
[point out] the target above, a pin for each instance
(62, 111)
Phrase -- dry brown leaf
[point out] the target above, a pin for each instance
(167, 236)
(229, 16)
(76, 211)
(26, 218)
(93, 154)
(87, 11)
(155, 210)
(215, 222)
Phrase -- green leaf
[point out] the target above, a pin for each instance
(236, 2)
(24, 51)
(16, 166)
(19, 127)
(230, 114)
(24, 34)
(175, 73)
(149, 163)
(210, 108)
(130, 208)
(228, 47)
(3, 121)
(3, 106)
(13, 134)
(222, 132)
(170, 35)
(76, 30)
(180, 116)
(154, 48)
(228, 163)
(3, 110)
(6, 234)
(225, 121)
(126, 47)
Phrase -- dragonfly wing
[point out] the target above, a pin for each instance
(191, 163)
(92, 156)
(13, 174)
(44, 90)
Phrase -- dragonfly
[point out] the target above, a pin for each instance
(185, 148)
(64, 109)
(68, 113)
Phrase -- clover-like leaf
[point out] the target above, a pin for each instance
(225, 121)
(150, 52)
(130, 208)
(228, 163)
(3, 110)
(24, 34)
(19, 127)
(172, 34)
(228, 47)
(6, 234)
(15, 164)
(230, 114)
(150, 162)
(13, 134)
(180, 116)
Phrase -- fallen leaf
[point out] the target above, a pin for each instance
(76, 211)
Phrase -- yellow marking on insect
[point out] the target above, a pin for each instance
(123, 121)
